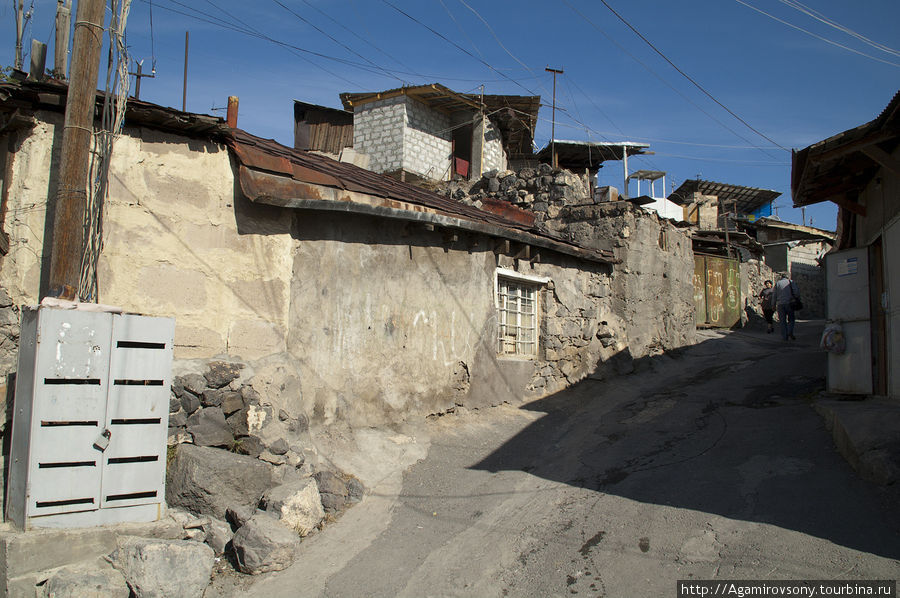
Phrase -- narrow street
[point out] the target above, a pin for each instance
(710, 463)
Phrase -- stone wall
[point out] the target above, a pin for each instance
(378, 131)
(426, 141)
(652, 286)
(651, 293)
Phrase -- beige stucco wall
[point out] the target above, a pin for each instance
(178, 241)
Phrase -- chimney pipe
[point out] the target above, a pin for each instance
(232, 112)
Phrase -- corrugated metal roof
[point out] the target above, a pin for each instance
(747, 199)
(578, 155)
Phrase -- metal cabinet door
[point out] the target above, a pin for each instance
(68, 411)
(140, 375)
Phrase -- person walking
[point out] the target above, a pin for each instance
(787, 301)
(767, 303)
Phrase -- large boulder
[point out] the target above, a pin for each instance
(86, 581)
(164, 568)
(208, 481)
(296, 503)
(262, 544)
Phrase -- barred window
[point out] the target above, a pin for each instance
(517, 302)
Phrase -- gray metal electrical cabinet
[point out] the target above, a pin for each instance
(90, 417)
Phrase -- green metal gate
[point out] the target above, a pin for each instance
(717, 291)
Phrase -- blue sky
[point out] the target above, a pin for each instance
(792, 87)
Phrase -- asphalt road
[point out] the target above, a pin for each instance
(706, 464)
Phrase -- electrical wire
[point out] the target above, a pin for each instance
(461, 30)
(359, 37)
(458, 47)
(661, 79)
(823, 19)
(815, 35)
(500, 43)
(691, 79)
(335, 40)
(250, 33)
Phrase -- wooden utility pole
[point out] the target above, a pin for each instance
(67, 248)
(553, 161)
(187, 37)
(20, 11)
(61, 47)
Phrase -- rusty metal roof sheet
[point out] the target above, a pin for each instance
(344, 180)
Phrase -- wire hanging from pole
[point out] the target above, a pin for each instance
(113, 118)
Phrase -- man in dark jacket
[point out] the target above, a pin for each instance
(786, 293)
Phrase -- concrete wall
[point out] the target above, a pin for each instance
(178, 241)
(378, 131)
(426, 141)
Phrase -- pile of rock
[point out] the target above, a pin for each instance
(543, 190)
(216, 409)
(243, 471)
(251, 510)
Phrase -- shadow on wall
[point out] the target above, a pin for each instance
(707, 441)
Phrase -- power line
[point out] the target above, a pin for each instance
(819, 37)
(212, 20)
(359, 37)
(457, 46)
(335, 40)
(823, 19)
(689, 78)
(661, 79)
(500, 43)
(461, 30)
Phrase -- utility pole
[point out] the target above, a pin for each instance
(184, 91)
(553, 161)
(61, 46)
(67, 248)
(20, 11)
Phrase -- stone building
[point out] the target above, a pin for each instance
(355, 297)
(433, 133)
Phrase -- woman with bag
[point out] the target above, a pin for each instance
(787, 302)
(767, 303)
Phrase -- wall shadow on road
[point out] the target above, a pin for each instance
(699, 440)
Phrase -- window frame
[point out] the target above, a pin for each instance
(520, 281)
